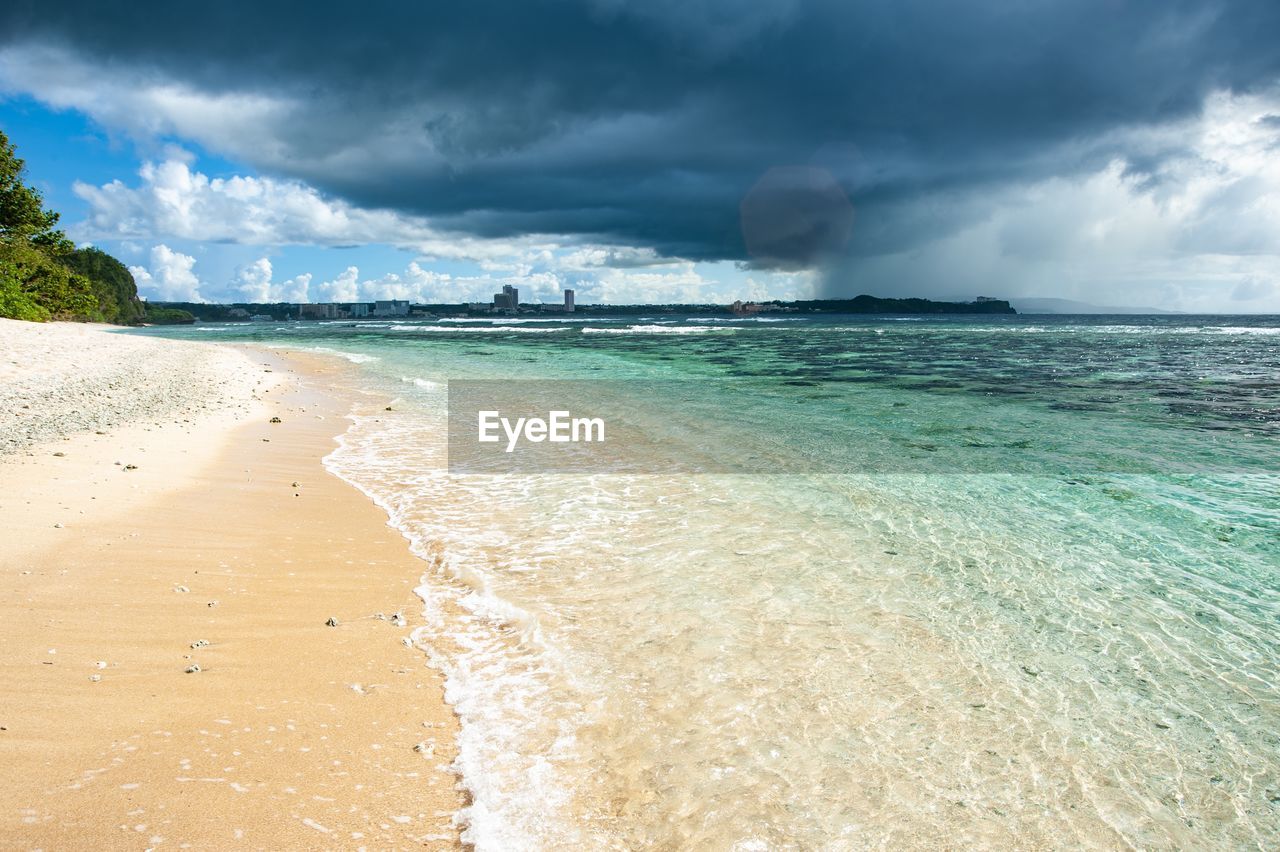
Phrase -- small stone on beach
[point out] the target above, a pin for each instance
(275, 420)
(194, 668)
(200, 643)
(332, 622)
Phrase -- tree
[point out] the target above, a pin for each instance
(22, 213)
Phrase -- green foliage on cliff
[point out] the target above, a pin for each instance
(113, 285)
(42, 275)
(168, 316)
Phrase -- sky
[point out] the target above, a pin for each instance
(1118, 152)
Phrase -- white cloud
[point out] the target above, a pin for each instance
(176, 202)
(255, 284)
(171, 277)
(344, 288)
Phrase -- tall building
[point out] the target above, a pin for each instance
(568, 301)
(390, 308)
(508, 299)
(320, 310)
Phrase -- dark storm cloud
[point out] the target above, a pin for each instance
(649, 123)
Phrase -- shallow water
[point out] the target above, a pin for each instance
(1019, 584)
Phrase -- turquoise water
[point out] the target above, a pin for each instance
(985, 581)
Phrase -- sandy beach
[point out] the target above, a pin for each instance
(170, 561)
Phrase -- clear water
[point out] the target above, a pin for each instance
(1052, 652)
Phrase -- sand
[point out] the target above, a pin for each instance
(292, 733)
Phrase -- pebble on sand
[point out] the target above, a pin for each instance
(275, 420)
(332, 622)
(194, 668)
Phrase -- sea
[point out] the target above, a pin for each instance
(930, 582)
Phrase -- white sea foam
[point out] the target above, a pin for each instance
(658, 329)
(353, 357)
(518, 800)
(426, 384)
(567, 318)
(480, 329)
(745, 319)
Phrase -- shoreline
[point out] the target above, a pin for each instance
(292, 733)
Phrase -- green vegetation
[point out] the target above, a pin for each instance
(113, 285)
(168, 316)
(39, 287)
(42, 275)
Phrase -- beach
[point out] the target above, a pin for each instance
(172, 559)
(953, 599)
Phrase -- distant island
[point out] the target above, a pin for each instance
(391, 309)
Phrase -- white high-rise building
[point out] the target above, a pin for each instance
(568, 301)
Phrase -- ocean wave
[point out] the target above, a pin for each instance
(353, 357)
(658, 329)
(747, 319)
(522, 320)
(485, 329)
(426, 384)
(502, 660)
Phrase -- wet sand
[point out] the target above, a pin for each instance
(292, 733)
